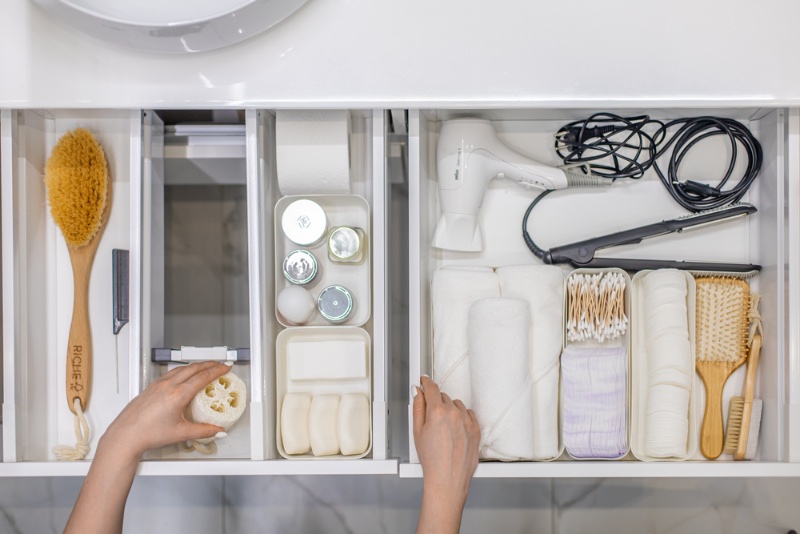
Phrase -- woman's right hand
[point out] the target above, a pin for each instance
(156, 417)
(447, 437)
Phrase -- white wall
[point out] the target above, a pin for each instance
(413, 53)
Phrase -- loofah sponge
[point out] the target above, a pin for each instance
(221, 403)
(76, 176)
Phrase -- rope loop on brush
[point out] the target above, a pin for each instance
(203, 448)
(82, 437)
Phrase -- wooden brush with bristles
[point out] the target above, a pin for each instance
(744, 413)
(722, 320)
(76, 177)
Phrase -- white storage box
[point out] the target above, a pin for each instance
(770, 238)
(37, 293)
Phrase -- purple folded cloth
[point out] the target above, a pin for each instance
(595, 401)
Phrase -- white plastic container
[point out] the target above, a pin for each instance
(338, 386)
(340, 210)
(639, 374)
(623, 341)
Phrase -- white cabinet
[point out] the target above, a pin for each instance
(769, 238)
(37, 294)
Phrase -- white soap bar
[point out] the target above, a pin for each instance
(294, 423)
(322, 425)
(327, 360)
(353, 423)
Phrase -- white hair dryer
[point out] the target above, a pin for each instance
(469, 156)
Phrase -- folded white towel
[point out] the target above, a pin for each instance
(453, 291)
(502, 397)
(543, 287)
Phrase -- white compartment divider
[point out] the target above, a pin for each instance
(9, 154)
(37, 286)
(381, 299)
(259, 241)
(791, 368)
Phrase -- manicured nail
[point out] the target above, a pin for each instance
(414, 391)
(229, 364)
(426, 376)
(220, 435)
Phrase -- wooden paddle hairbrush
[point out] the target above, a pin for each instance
(721, 338)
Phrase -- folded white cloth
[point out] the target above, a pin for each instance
(543, 287)
(595, 393)
(502, 397)
(453, 291)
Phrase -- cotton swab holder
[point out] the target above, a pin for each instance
(595, 365)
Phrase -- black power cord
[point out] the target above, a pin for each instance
(620, 147)
(615, 147)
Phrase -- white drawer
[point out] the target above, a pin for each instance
(771, 238)
(37, 290)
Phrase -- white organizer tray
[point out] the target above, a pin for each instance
(340, 210)
(770, 237)
(623, 341)
(285, 384)
(37, 295)
(639, 374)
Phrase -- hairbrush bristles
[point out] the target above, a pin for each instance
(733, 429)
(722, 319)
(76, 177)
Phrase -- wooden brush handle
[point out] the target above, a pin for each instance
(749, 391)
(712, 435)
(79, 346)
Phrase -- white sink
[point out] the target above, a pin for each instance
(172, 25)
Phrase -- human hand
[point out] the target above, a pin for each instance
(447, 437)
(156, 417)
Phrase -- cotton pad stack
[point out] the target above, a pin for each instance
(595, 401)
(669, 363)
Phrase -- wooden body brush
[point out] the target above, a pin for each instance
(76, 177)
(722, 321)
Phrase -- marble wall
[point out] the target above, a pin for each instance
(388, 505)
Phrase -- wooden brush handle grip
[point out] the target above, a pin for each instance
(79, 346)
(749, 391)
(712, 435)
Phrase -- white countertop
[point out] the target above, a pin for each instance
(418, 53)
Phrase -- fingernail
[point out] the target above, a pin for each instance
(425, 376)
(414, 391)
(220, 435)
(229, 364)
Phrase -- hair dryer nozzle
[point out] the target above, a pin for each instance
(457, 231)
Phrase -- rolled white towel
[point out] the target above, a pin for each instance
(453, 291)
(502, 397)
(542, 286)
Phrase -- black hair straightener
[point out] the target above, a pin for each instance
(582, 253)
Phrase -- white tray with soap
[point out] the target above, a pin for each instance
(323, 392)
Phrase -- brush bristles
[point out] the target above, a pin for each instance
(722, 311)
(76, 177)
(734, 427)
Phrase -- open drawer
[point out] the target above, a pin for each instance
(153, 186)
(770, 237)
